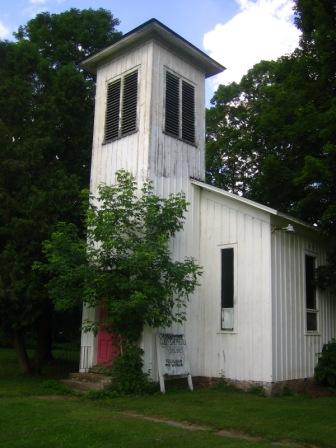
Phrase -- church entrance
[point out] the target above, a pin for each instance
(107, 343)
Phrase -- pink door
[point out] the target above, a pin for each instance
(108, 344)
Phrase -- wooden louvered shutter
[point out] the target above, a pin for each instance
(129, 106)
(172, 121)
(188, 112)
(112, 110)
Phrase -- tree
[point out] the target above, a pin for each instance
(124, 263)
(264, 131)
(272, 137)
(317, 21)
(45, 134)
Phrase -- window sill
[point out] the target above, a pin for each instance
(107, 142)
(227, 332)
(312, 333)
(179, 139)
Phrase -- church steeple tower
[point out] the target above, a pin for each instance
(149, 120)
(149, 116)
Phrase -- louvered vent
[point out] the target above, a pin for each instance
(129, 107)
(172, 104)
(112, 110)
(188, 112)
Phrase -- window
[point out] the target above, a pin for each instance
(180, 108)
(227, 288)
(311, 308)
(121, 107)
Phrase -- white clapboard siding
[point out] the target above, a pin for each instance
(294, 350)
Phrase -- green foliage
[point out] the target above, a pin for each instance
(225, 386)
(127, 373)
(325, 371)
(55, 387)
(259, 391)
(124, 263)
(101, 394)
(272, 136)
(46, 113)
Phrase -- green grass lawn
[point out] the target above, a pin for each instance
(35, 412)
(14, 383)
(296, 417)
(34, 423)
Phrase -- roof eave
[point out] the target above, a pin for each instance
(155, 29)
(257, 205)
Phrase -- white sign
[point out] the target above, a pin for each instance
(172, 357)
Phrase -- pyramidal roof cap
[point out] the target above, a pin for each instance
(155, 29)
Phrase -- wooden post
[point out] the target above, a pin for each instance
(190, 383)
(162, 384)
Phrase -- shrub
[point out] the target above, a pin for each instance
(325, 371)
(259, 391)
(127, 373)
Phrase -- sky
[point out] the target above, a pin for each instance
(237, 33)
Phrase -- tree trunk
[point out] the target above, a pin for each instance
(21, 352)
(43, 352)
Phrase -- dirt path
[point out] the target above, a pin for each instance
(230, 434)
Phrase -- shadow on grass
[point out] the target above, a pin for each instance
(14, 383)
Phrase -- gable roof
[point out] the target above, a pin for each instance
(253, 204)
(153, 28)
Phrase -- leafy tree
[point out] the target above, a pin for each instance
(46, 118)
(272, 137)
(230, 158)
(124, 263)
(263, 131)
(317, 21)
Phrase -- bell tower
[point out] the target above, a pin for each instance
(149, 119)
(149, 113)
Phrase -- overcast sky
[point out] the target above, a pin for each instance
(237, 33)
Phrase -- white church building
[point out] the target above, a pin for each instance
(256, 317)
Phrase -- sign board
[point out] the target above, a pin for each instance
(172, 357)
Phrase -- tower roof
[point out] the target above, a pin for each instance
(155, 29)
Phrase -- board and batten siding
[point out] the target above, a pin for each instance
(150, 153)
(129, 152)
(171, 163)
(244, 354)
(294, 349)
(171, 160)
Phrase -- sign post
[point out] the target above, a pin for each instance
(172, 358)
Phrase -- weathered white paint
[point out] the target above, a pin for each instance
(244, 353)
(88, 355)
(161, 32)
(130, 152)
(294, 349)
(150, 153)
(171, 163)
